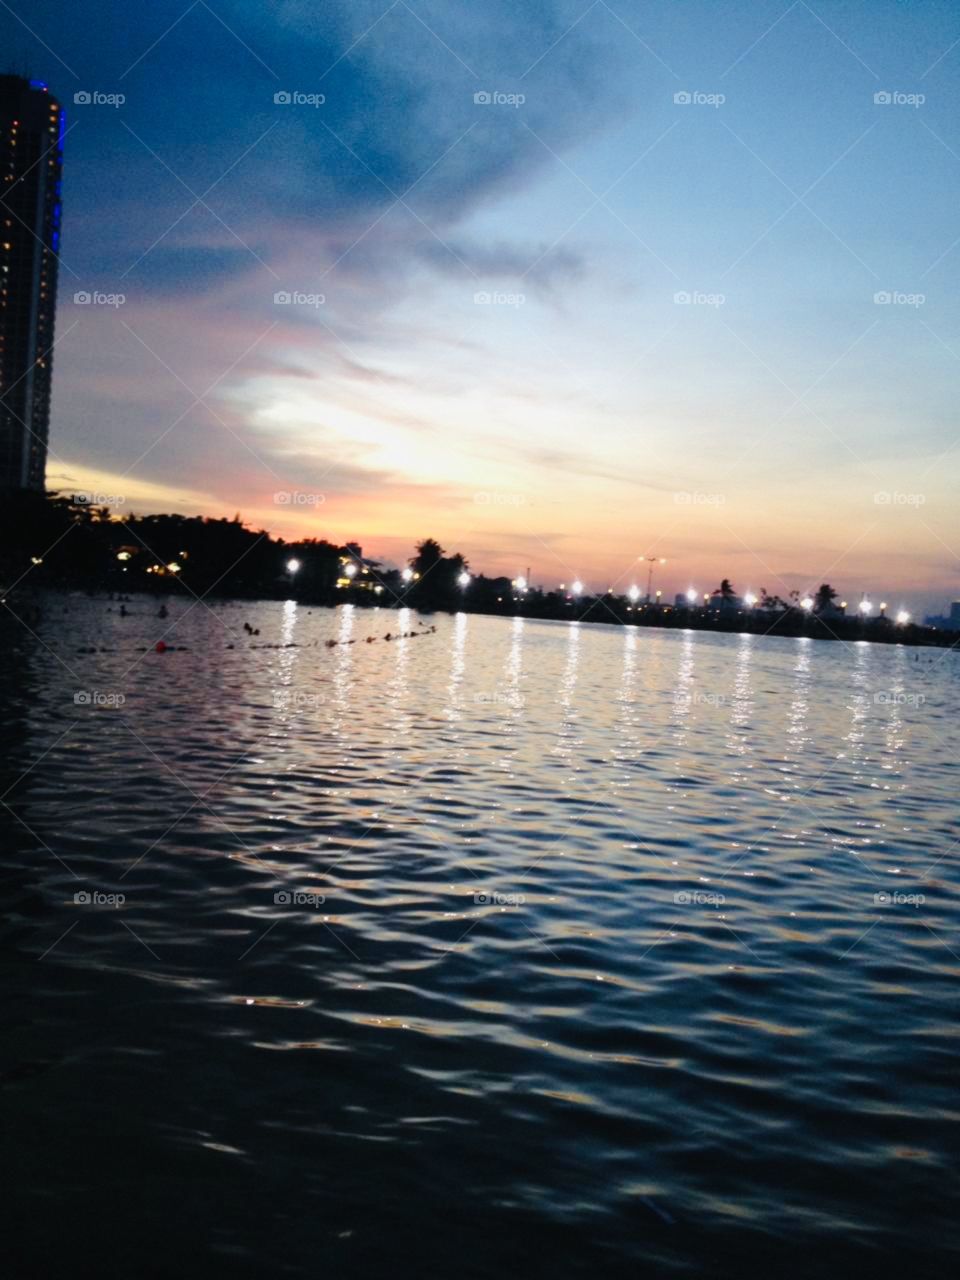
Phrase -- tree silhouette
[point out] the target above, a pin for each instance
(429, 554)
(825, 597)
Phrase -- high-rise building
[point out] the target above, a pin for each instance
(31, 162)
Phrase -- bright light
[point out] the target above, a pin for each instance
(577, 587)
(634, 594)
(173, 567)
(865, 607)
(350, 570)
(749, 599)
(903, 617)
(123, 555)
(521, 583)
(407, 575)
(293, 566)
(464, 579)
(806, 603)
(692, 596)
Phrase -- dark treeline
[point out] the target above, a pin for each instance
(55, 541)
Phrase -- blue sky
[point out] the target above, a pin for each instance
(781, 426)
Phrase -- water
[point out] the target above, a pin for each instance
(598, 980)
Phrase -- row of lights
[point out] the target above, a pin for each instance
(633, 594)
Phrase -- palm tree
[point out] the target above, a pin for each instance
(429, 554)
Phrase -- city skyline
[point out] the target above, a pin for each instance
(693, 296)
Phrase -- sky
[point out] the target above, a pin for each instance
(564, 284)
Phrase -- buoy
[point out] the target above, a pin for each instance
(161, 646)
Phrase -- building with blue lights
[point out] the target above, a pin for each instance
(31, 162)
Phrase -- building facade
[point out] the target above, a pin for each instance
(31, 162)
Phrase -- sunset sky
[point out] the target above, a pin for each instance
(780, 428)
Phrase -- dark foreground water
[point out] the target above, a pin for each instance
(518, 949)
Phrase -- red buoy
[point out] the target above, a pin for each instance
(161, 646)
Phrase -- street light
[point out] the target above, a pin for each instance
(865, 607)
(520, 583)
(652, 561)
(407, 575)
(464, 579)
(903, 617)
(749, 599)
(350, 570)
(692, 596)
(806, 604)
(634, 594)
(293, 566)
(576, 588)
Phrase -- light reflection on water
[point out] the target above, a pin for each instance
(599, 959)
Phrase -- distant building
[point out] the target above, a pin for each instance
(947, 622)
(31, 160)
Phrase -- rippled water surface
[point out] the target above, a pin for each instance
(512, 948)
